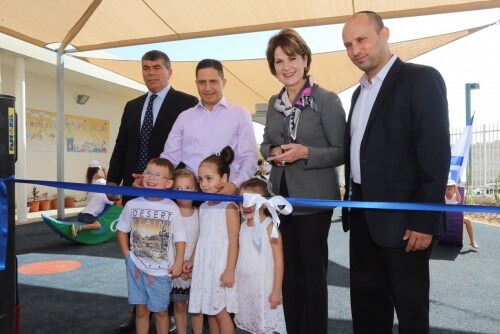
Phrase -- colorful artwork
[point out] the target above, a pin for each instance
(82, 134)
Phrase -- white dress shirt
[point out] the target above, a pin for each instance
(361, 113)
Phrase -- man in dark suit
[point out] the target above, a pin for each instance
(397, 150)
(166, 106)
(169, 103)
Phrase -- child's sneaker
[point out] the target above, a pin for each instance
(74, 230)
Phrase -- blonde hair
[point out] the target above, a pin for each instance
(179, 173)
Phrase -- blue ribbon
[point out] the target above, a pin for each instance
(4, 221)
(196, 196)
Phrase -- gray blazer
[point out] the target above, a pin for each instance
(322, 131)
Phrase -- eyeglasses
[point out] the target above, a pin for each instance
(154, 176)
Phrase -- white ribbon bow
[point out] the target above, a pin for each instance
(273, 206)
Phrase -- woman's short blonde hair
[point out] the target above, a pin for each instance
(292, 44)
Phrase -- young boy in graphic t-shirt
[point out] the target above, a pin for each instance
(157, 244)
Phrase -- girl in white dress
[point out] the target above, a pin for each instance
(185, 180)
(213, 283)
(260, 268)
(96, 201)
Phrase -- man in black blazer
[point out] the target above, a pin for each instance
(156, 71)
(397, 150)
(169, 103)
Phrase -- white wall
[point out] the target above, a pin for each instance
(41, 95)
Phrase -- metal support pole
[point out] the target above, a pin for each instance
(468, 88)
(60, 132)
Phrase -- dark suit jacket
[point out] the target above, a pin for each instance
(405, 152)
(124, 158)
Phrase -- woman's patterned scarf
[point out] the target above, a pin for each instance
(284, 105)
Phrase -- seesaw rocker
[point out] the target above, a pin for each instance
(108, 219)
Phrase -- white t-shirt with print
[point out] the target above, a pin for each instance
(154, 227)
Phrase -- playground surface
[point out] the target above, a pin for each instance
(85, 291)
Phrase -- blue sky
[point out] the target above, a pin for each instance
(471, 59)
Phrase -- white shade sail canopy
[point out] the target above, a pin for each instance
(249, 82)
(101, 24)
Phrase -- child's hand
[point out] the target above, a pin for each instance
(227, 279)
(275, 299)
(186, 276)
(175, 270)
(187, 268)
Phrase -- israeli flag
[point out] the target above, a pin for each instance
(460, 154)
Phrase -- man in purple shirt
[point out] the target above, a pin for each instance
(210, 126)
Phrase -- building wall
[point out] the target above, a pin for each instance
(41, 95)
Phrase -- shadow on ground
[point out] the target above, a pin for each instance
(54, 311)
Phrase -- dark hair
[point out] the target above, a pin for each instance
(155, 55)
(91, 171)
(292, 44)
(210, 63)
(374, 17)
(222, 160)
(162, 162)
(258, 185)
(186, 173)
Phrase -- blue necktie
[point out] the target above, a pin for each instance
(146, 131)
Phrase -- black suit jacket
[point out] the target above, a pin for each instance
(405, 152)
(124, 158)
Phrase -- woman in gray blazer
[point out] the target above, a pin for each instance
(304, 139)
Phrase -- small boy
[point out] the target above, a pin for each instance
(154, 225)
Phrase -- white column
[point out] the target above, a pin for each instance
(60, 133)
(20, 93)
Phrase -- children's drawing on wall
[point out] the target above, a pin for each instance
(82, 134)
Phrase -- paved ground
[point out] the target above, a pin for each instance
(465, 285)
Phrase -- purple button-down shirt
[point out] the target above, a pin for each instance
(198, 133)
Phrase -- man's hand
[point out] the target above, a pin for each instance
(137, 180)
(227, 188)
(112, 197)
(417, 241)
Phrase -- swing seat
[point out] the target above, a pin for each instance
(108, 219)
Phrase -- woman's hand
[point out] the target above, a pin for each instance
(288, 153)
